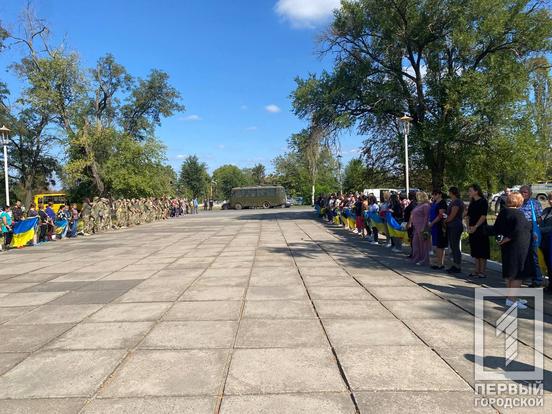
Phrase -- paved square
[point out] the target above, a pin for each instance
(258, 311)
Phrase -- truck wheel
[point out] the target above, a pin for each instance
(266, 204)
(238, 206)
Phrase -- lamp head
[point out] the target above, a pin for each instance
(4, 134)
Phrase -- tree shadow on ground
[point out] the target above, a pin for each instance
(498, 362)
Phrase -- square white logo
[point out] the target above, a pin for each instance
(506, 326)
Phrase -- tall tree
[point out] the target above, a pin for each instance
(355, 176)
(193, 179)
(227, 177)
(458, 67)
(258, 174)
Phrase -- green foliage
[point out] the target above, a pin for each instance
(193, 179)
(354, 177)
(149, 100)
(227, 177)
(458, 67)
(258, 174)
(291, 171)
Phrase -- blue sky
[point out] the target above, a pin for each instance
(234, 63)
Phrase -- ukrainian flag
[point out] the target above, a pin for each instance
(376, 221)
(60, 226)
(395, 229)
(24, 231)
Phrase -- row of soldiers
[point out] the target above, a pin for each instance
(102, 214)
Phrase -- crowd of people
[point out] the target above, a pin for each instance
(92, 216)
(431, 223)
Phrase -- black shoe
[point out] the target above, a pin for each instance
(535, 285)
(454, 269)
(435, 267)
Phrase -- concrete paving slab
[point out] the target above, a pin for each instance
(130, 312)
(272, 371)
(372, 332)
(343, 293)
(9, 360)
(34, 406)
(400, 402)
(168, 373)
(191, 335)
(233, 281)
(401, 293)
(205, 310)
(7, 314)
(15, 286)
(29, 299)
(276, 293)
(102, 335)
(157, 405)
(278, 309)
(209, 293)
(327, 403)
(280, 333)
(55, 314)
(139, 294)
(351, 309)
(59, 374)
(424, 309)
(405, 368)
(28, 338)
(91, 297)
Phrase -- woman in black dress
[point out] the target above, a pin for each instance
(514, 234)
(480, 249)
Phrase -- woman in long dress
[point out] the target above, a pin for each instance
(421, 238)
(514, 235)
(480, 248)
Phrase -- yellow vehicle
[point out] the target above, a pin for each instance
(58, 200)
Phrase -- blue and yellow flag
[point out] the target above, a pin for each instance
(61, 225)
(395, 229)
(24, 231)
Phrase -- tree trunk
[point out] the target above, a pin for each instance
(312, 195)
(28, 193)
(438, 168)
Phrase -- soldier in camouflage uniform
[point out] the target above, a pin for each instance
(86, 216)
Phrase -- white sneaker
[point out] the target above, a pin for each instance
(355, 231)
(419, 263)
(522, 301)
(374, 242)
(394, 249)
(388, 245)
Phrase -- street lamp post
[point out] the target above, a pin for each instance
(405, 121)
(339, 157)
(5, 136)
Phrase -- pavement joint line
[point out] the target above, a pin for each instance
(332, 348)
(344, 239)
(226, 371)
(122, 362)
(389, 310)
(467, 282)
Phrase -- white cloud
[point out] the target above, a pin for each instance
(180, 156)
(306, 13)
(251, 128)
(273, 108)
(190, 118)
